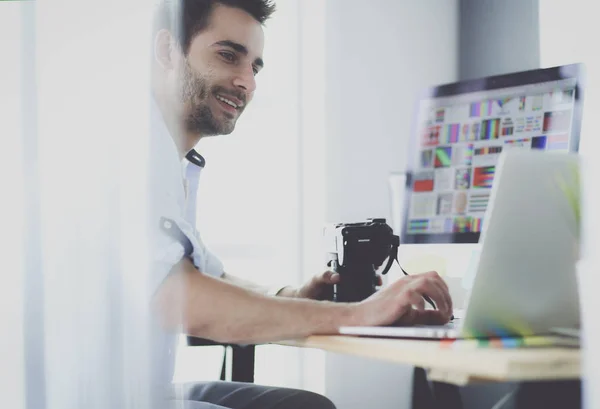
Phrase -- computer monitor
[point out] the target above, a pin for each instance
(460, 129)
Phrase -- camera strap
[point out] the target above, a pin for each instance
(393, 255)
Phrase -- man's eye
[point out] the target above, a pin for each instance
(255, 70)
(229, 57)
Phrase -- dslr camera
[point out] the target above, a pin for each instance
(355, 251)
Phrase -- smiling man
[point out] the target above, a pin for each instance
(206, 54)
(210, 61)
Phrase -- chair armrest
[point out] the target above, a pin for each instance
(200, 342)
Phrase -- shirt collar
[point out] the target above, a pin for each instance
(195, 158)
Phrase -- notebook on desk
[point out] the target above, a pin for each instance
(525, 283)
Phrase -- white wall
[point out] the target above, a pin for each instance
(498, 37)
(378, 55)
(13, 347)
(569, 33)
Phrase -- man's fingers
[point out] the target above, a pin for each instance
(420, 303)
(415, 299)
(434, 274)
(429, 286)
(413, 305)
(447, 296)
(329, 277)
(429, 317)
(443, 288)
(443, 285)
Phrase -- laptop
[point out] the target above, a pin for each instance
(525, 281)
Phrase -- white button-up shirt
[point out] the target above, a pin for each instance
(172, 227)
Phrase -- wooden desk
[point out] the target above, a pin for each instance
(455, 364)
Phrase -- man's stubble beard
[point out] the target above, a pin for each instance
(195, 92)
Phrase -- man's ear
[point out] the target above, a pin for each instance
(164, 48)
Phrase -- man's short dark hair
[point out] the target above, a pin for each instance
(186, 18)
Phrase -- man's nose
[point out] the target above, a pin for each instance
(245, 80)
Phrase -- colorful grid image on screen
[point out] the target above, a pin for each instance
(538, 142)
(558, 142)
(483, 176)
(462, 224)
(460, 202)
(463, 179)
(462, 155)
(475, 128)
(488, 150)
(490, 129)
(424, 181)
(451, 133)
(518, 143)
(537, 102)
(441, 225)
(478, 202)
(478, 109)
(427, 158)
(440, 115)
(508, 127)
(431, 135)
(503, 101)
(476, 224)
(557, 121)
(444, 204)
(448, 225)
(530, 124)
(560, 96)
(443, 157)
(418, 225)
(465, 132)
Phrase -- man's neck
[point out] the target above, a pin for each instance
(183, 139)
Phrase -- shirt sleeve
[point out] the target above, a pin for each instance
(175, 239)
(172, 238)
(202, 258)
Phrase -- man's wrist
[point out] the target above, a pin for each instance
(340, 315)
(349, 314)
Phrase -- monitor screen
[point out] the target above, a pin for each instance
(459, 133)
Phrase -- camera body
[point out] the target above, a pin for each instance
(356, 251)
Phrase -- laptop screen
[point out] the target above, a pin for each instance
(460, 131)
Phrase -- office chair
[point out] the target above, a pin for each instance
(242, 359)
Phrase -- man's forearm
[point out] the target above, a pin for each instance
(212, 308)
(287, 291)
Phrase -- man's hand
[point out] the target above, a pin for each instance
(402, 303)
(320, 287)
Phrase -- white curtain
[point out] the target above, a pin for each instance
(569, 33)
(12, 349)
(85, 129)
